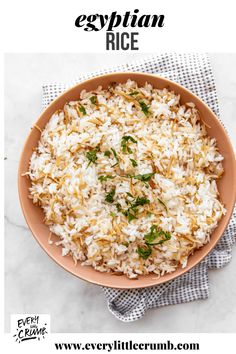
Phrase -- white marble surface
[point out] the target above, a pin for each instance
(34, 283)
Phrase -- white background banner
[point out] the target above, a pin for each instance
(114, 342)
(49, 26)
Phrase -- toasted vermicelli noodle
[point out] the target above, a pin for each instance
(126, 177)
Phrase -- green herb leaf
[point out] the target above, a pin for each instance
(104, 178)
(129, 215)
(107, 153)
(92, 156)
(162, 203)
(93, 99)
(134, 93)
(130, 195)
(110, 196)
(144, 178)
(118, 207)
(149, 241)
(134, 163)
(115, 156)
(139, 201)
(112, 214)
(134, 207)
(83, 110)
(166, 236)
(154, 234)
(144, 252)
(124, 143)
(144, 107)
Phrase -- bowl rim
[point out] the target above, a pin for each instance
(172, 275)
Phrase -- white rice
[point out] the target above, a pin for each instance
(165, 138)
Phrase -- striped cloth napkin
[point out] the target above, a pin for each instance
(193, 71)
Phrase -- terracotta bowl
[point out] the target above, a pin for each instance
(34, 215)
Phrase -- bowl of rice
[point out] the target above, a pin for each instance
(127, 180)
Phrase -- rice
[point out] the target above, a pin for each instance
(126, 177)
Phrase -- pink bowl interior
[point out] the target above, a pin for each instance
(34, 215)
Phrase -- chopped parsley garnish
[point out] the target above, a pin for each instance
(105, 178)
(144, 178)
(162, 203)
(131, 212)
(110, 196)
(139, 201)
(149, 241)
(115, 156)
(134, 163)
(82, 110)
(129, 215)
(144, 107)
(144, 252)
(134, 93)
(130, 195)
(93, 99)
(118, 207)
(124, 144)
(152, 235)
(112, 214)
(107, 153)
(92, 156)
(156, 234)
